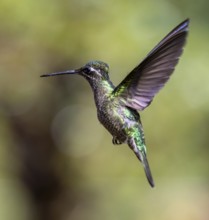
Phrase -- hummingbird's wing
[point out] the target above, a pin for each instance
(140, 86)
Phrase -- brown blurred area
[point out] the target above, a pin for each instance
(56, 160)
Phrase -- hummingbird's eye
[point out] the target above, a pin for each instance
(87, 70)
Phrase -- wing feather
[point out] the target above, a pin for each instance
(140, 86)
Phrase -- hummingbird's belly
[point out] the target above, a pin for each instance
(118, 121)
(115, 128)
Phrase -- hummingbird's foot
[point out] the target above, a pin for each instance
(115, 141)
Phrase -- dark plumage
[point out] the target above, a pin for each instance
(117, 106)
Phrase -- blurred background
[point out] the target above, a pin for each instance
(56, 160)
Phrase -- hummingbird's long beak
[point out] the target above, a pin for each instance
(62, 73)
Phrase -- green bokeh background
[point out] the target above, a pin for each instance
(56, 160)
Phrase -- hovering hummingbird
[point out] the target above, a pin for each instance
(117, 106)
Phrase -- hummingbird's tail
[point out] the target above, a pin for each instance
(143, 158)
(141, 155)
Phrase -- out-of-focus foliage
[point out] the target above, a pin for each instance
(56, 161)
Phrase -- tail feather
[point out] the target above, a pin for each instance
(141, 155)
(147, 170)
(143, 158)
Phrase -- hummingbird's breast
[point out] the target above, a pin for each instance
(121, 121)
(118, 120)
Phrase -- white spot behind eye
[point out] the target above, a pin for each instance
(98, 72)
(92, 69)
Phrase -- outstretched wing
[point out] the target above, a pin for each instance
(139, 87)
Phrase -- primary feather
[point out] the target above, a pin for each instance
(140, 86)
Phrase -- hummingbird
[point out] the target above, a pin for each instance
(118, 106)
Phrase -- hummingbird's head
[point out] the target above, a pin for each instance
(94, 70)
